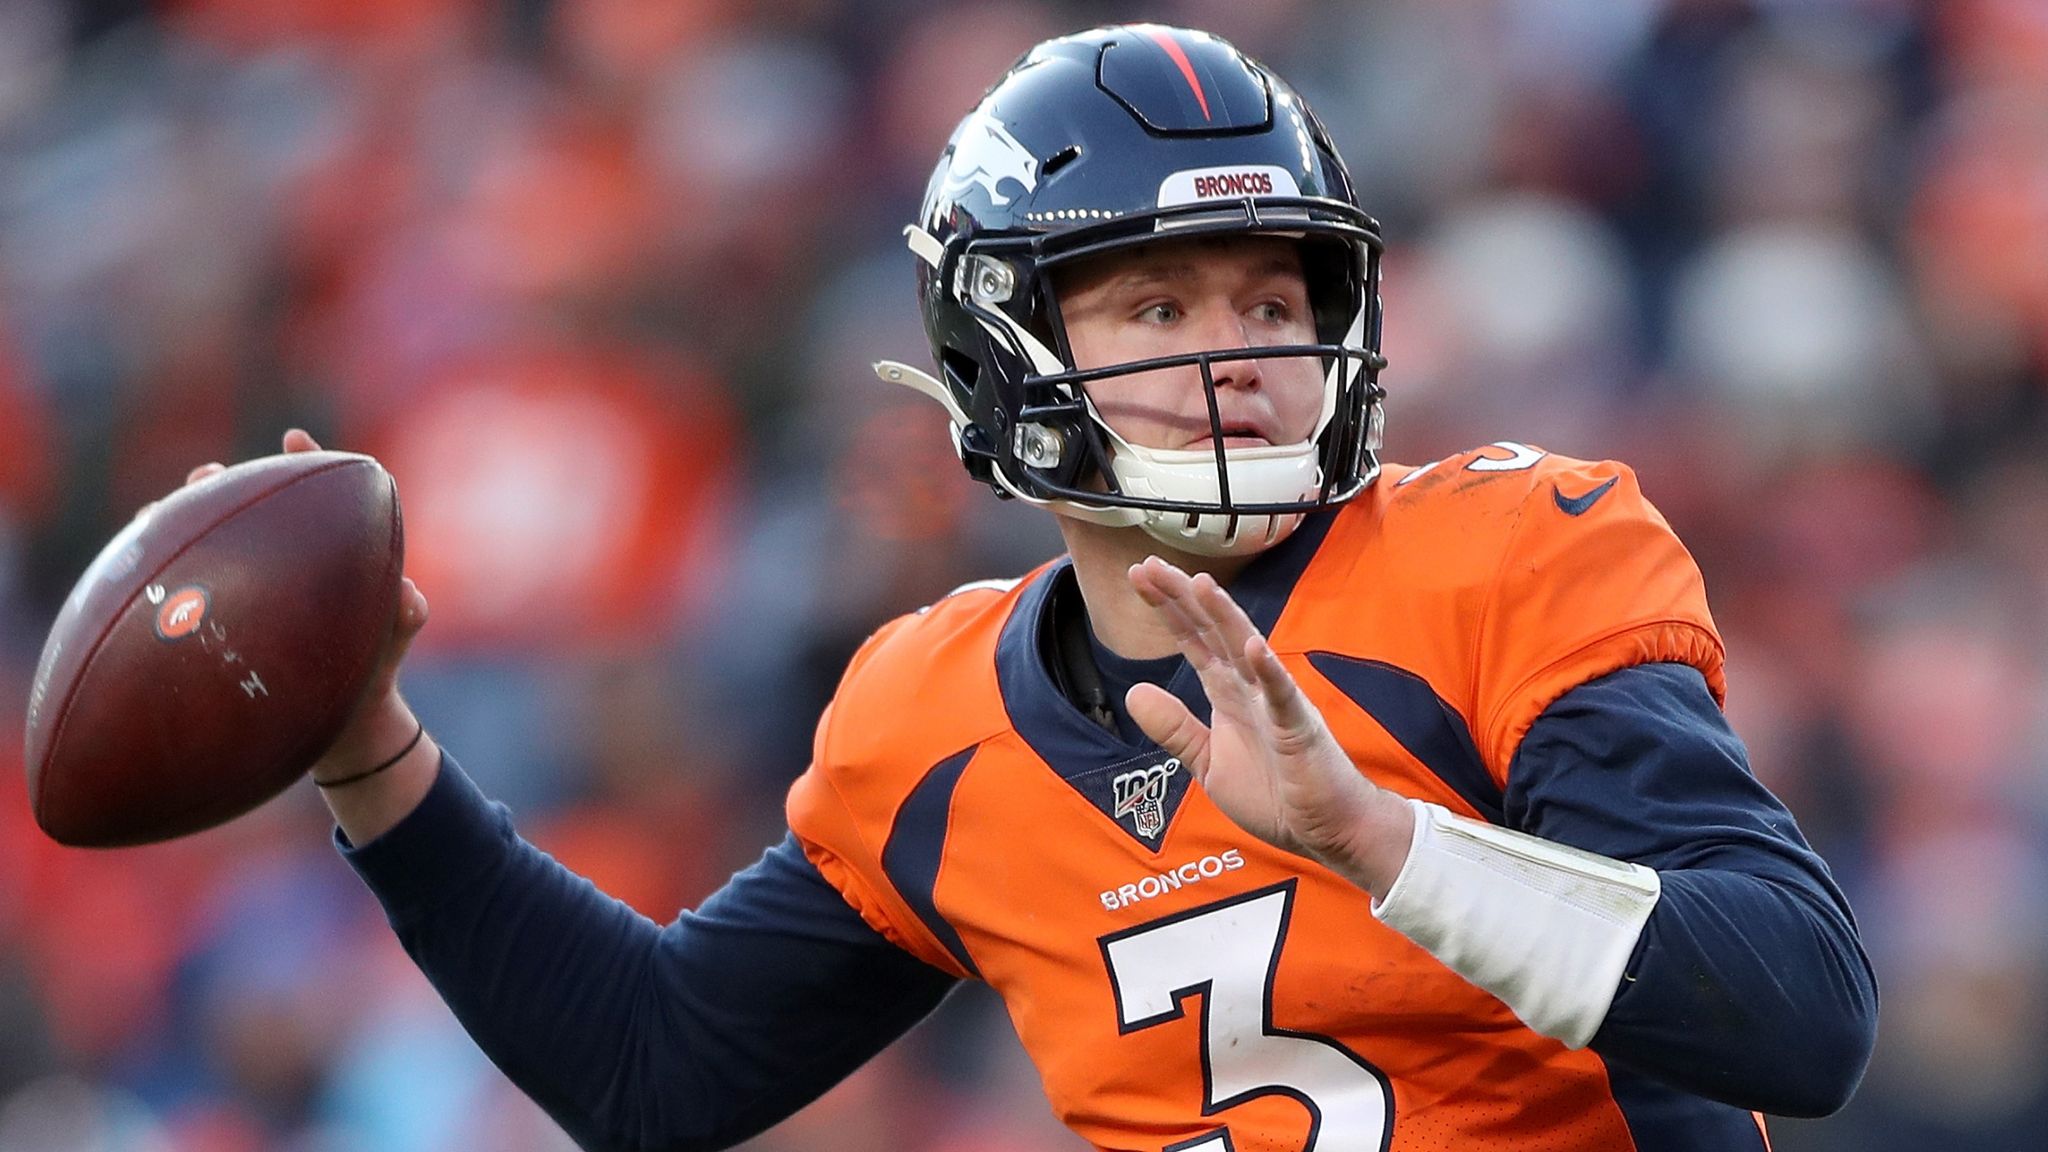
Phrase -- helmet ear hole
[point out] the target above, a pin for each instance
(962, 372)
(978, 450)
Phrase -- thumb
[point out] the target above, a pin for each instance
(412, 617)
(1162, 717)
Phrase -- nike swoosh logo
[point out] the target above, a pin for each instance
(1577, 505)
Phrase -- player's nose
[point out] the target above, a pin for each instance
(1223, 328)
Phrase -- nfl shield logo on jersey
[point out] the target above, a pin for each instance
(1141, 795)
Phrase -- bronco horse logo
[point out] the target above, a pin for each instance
(985, 154)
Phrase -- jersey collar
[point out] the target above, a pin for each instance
(1082, 752)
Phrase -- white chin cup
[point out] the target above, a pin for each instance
(1277, 474)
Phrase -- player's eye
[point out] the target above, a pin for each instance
(1160, 312)
(1271, 312)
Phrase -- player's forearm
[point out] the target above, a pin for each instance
(1748, 983)
(1745, 989)
(1739, 983)
(631, 1035)
(1546, 929)
(541, 969)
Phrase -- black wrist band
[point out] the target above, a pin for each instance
(369, 772)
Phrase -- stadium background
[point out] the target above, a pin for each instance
(600, 279)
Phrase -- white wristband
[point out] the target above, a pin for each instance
(1544, 927)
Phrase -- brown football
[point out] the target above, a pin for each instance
(214, 649)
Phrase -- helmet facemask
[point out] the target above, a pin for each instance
(1058, 449)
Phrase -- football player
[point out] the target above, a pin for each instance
(1307, 802)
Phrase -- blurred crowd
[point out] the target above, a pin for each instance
(600, 281)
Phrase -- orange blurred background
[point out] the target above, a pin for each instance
(600, 281)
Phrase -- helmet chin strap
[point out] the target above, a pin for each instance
(920, 381)
(1274, 474)
(924, 245)
(1214, 535)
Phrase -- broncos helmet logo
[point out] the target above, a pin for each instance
(985, 154)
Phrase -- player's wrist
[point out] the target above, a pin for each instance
(379, 740)
(1374, 843)
(419, 733)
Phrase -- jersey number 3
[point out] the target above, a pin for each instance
(1226, 953)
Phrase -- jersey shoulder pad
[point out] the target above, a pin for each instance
(1590, 580)
(919, 695)
(923, 686)
(1466, 510)
(1543, 570)
(1440, 529)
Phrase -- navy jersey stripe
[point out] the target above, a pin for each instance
(1419, 720)
(1065, 738)
(917, 843)
(1083, 753)
(1062, 736)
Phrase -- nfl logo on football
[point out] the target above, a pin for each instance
(1141, 795)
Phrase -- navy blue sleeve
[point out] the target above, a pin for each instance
(1749, 985)
(635, 1036)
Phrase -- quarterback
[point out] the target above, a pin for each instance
(1309, 801)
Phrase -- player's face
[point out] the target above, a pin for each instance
(1199, 295)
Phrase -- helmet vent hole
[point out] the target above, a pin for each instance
(1059, 160)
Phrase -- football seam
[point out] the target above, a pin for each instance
(63, 717)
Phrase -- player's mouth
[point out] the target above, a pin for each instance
(1236, 435)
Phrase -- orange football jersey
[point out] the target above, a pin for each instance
(1180, 984)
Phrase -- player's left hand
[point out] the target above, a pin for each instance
(1267, 757)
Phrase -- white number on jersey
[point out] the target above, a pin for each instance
(1226, 953)
(1520, 457)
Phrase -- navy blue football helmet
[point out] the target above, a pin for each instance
(1097, 142)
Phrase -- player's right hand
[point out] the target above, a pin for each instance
(383, 723)
(1267, 757)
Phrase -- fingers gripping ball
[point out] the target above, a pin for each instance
(215, 649)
